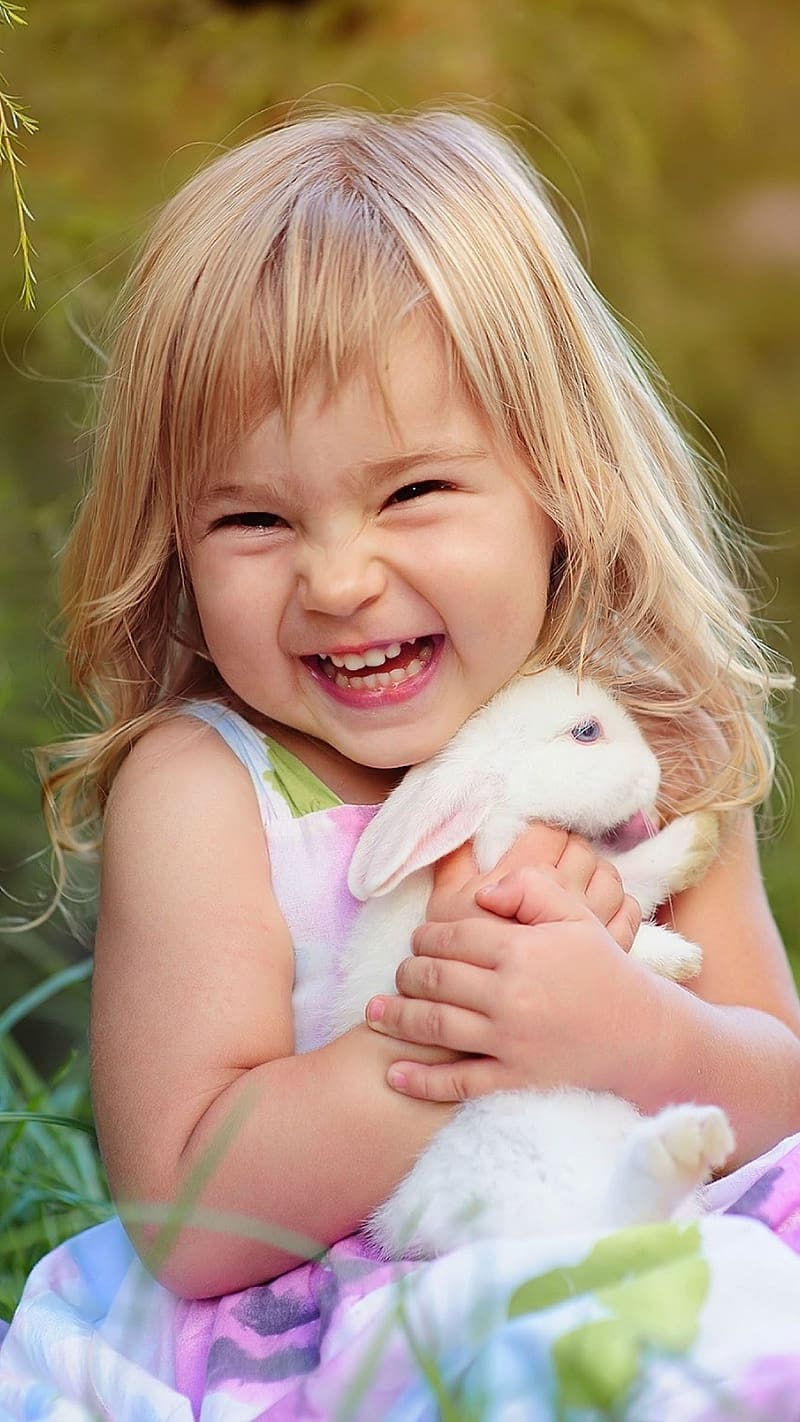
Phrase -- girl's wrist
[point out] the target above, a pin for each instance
(674, 1038)
(664, 1042)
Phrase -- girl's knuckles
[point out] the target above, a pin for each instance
(533, 874)
(460, 1089)
(578, 865)
(514, 1002)
(424, 1088)
(440, 1087)
(609, 876)
(415, 976)
(427, 977)
(442, 938)
(433, 1023)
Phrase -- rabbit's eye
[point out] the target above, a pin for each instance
(586, 732)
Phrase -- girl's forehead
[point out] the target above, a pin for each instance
(378, 414)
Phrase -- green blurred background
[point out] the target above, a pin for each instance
(669, 127)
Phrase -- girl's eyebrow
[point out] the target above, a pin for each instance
(401, 463)
(359, 480)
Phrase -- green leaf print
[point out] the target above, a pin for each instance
(651, 1280)
(595, 1365)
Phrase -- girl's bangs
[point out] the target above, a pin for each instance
(321, 299)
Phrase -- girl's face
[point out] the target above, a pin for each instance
(366, 582)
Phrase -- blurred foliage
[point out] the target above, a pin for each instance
(668, 126)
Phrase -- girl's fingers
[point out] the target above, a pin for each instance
(576, 865)
(624, 926)
(437, 1024)
(475, 941)
(446, 980)
(567, 857)
(595, 879)
(602, 893)
(605, 894)
(531, 896)
(452, 1081)
(541, 844)
(573, 863)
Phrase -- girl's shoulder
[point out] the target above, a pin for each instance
(176, 753)
(204, 741)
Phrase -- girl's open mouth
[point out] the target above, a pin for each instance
(380, 673)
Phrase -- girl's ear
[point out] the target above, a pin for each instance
(427, 816)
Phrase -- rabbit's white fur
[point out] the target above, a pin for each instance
(530, 1162)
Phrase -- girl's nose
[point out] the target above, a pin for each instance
(338, 581)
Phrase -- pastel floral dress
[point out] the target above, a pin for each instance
(692, 1322)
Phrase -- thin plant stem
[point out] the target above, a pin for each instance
(14, 118)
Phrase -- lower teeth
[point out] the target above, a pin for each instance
(379, 681)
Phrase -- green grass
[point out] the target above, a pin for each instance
(51, 1181)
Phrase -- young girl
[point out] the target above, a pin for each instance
(372, 444)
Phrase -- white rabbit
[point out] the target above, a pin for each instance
(532, 1162)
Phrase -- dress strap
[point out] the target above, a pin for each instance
(302, 790)
(251, 749)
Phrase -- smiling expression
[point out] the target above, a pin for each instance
(367, 580)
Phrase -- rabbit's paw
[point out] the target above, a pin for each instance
(667, 953)
(702, 841)
(665, 1160)
(684, 1143)
(678, 855)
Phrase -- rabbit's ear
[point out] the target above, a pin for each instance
(426, 817)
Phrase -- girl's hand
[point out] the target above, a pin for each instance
(532, 1001)
(572, 863)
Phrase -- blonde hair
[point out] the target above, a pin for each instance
(298, 256)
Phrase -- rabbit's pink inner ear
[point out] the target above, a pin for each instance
(458, 820)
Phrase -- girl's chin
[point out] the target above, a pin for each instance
(359, 773)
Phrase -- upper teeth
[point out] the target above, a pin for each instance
(372, 657)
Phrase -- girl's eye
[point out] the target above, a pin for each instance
(249, 520)
(587, 731)
(415, 490)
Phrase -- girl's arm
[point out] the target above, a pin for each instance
(555, 1001)
(191, 1030)
(744, 961)
(738, 1042)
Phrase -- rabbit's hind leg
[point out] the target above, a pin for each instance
(664, 1161)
